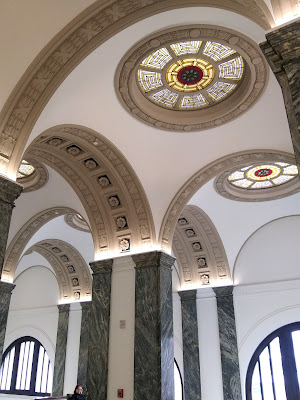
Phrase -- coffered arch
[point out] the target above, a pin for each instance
(72, 273)
(79, 38)
(114, 199)
(20, 240)
(199, 251)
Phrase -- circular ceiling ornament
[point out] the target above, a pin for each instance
(260, 182)
(182, 80)
(32, 175)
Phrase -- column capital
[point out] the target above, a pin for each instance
(223, 291)
(6, 287)
(9, 190)
(102, 266)
(281, 46)
(63, 308)
(153, 259)
(186, 295)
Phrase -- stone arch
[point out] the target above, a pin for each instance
(201, 177)
(199, 251)
(114, 199)
(72, 273)
(70, 46)
(22, 237)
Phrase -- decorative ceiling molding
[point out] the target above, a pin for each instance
(71, 45)
(114, 199)
(247, 92)
(226, 189)
(72, 272)
(36, 180)
(199, 251)
(285, 10)
(76, 223)
(19, 242)
(201, 177)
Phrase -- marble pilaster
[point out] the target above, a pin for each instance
(9, 192)
(84, 343)
(228, 343)
(5, 295)
(192, 385)
(97, 368)
(60, 350)
(282, 53)
(153, 346)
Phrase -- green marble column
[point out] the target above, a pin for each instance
(153, 346)
(84, 343)
(228, 344)
(190, 339)
(97, 367)
(282, 53)
(9, 192)
(5, 295)
(60, 350)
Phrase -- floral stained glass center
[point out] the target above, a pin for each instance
(263, 172)
(190, 75)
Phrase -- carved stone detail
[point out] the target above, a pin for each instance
(208, 265)
(9, 190)
(74, 222)
(201, 177)
(250, 89)
(23, 236)
(85, 33)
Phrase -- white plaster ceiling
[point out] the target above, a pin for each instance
(163, 160)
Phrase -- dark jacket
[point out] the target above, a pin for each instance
(77, 396)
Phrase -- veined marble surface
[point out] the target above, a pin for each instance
(84, 343)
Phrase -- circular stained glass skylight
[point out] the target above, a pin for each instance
(190, 75)
(25, 170)
(263, 176)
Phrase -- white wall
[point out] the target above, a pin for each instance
(267, 295)
(121, 341)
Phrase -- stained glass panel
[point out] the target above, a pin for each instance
(220, 90)
(236, 175)
(291, 169)
(158, 59)
(244, 183)
(232, 69)
(25, 169)
(182, 48)
(149, 80)
(260, 185)
(217, 51)
(165, 97)
(282, 179)
(195, 101)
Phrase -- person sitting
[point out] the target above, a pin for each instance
(78, 393)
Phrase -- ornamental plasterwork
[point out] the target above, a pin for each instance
(75, 221)
(37, 179)
(279, 179)
(200, 74)
(199, 250)
(108, 187)
(71, 46)
(18, 243)
(72, 273)
(204, 175)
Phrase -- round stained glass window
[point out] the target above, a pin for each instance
(25, 170)
(263, 176)
(190, 75)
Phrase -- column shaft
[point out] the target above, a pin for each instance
(97, 369)
(60, 350)
(153, 347)
(228, 344)
(190, 339)
(282, 53)
(84, 343)
(5, 295)
(9, 192)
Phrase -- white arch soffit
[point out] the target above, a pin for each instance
(22, 237)
(252, 234)
(200, 178)
(201, 256)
